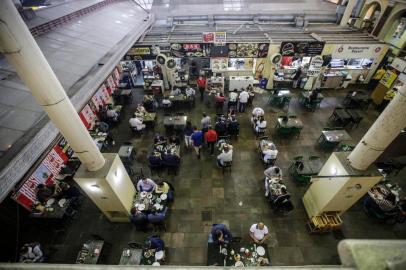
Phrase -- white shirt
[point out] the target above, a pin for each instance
(233, 96)
(176, 92)
(258, 112)
(136, 123)
(259, 234)
(225, 157)
(270, 172)
(244, 96)
(269, 154)
(261, 124)
(166, 102)
(206, 121)
(190, 91)
(112, 114)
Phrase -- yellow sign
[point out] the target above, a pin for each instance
(388, 79)
(140, 51)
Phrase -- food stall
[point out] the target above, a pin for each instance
(296, 55)
(352, 62)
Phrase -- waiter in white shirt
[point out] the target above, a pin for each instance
(243, 99)
(225, 156)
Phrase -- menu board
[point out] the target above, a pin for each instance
(142, 52)
(247, 50)
(388, 79)
(304, 48)
(45, 173)
(219, 51)
(190, 49)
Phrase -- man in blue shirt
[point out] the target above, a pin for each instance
(221, 234)
(197, 138)
(155, 243)
(170, 159)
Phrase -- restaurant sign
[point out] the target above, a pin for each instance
(208, 37)
(357, 51)
(220, 38)
(142, 52)
(302, 48)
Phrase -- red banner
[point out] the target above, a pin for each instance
(87, 116)
(208, 37)
(45, 173)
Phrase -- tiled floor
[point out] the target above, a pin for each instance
(204, 196)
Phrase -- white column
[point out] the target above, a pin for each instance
(385, 129)
(23, 53)
(347, 12)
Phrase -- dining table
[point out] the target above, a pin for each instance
(53, 209)
(341, 116)
(177, 121)
(150, 201)
(90, 252)
(310, 167)
(289, 122)
(237, 254)
(331, 138)
(131, 256)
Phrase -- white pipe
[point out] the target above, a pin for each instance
(385, 129)
(23, 53)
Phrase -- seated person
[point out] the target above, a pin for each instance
(259, 233)
(260, 124)
(174, 139)
(112, 114)
(250, 88)
(190, 92)
(220, 234)
(136, 123)
(163, 187)
(269, 152)
(101, 126)
(158, 217)
(155, 159)
(166, 103)
(46, 192)
(140, 109)
(233, 126)
(69, 191)
(280, 199)
(170, 159)
(139, 219)
(159, 139)
(176, 92)
(272, 174)
(146, 184)
(154, 243)
(31, 253)
(226, 156)
(148, 103)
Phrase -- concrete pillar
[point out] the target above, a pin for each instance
(382, 20)
(23, 53)
(385, 129)
(347, 13)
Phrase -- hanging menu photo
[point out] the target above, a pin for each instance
(304, 48)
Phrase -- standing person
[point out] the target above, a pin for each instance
(296, 77)
(219, 103)
(232, 102)
(205, 122)
(225, 156)
(220, 234)
(201, 84)
(259, 233)
(188, 133)
(211, 138)
(197, 138)
(243, 99)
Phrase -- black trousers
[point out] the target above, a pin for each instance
(211, 146)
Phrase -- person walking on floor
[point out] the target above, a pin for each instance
(211, 138)
(197, 138)
(205, 122)
(243, 99)
(201, 84)
(188, 133)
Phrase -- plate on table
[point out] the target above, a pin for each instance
(157, 206)
(50, 201)
(159, 255)
(164, 197)
(147, 254)
(260, 251)
(141, 207)
(62, 202)
(156, 264)
(143, 194)
(239, 264)
(158, 200)
(149, 196)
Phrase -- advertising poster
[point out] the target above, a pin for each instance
(303, 48)
(180, 50)
(208, 37)
(220, 38)
(87, 116)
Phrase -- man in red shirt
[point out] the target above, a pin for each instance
(211, 138)
(201, 83)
